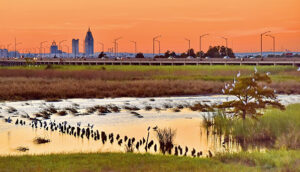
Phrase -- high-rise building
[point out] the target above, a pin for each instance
(3, 53)
(89, 43)
(75, 47)
(53, 48)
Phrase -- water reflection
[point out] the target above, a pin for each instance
(189, 132)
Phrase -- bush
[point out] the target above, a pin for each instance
(166, 138)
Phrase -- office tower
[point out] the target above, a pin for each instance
(75, 47)
(89, 43)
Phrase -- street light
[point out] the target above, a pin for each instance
(201, 36)
(16, 47)
(59, 44)
(273, 37)
(68, 49)
(189, 42)
(154, 39)
(116, 45)
(158, 46)
(261, 42)
(102, 46)
(226, 40)
(41, 48)
(134, 42)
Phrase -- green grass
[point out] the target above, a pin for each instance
(189, 72)
(280, 160)
(279, 129)
(145, 68)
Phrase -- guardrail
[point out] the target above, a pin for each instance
(151, 62)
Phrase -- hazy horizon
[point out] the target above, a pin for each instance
(34, 21)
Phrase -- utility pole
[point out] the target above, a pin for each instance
(189, 43)
(134, 42)
(261, 42)
(41, 46)
(273, 37)
(154, 39)
(200, 48)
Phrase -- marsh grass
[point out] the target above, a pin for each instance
(60, 82)
(279, 160)
(275, 129)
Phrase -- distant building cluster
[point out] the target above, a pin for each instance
(88, 46)
(3, 53)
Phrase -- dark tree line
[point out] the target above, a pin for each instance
(212, 52)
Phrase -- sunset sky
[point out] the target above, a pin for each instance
(34, 21)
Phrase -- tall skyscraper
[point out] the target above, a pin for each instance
(53, 48)
(89, 43)
(75, 47)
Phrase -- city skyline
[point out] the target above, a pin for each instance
(32, 22)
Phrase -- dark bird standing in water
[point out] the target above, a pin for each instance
(186, 150)
(176, 151)
(120, 142)
(193, 152)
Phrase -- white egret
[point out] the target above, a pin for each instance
(239, 74)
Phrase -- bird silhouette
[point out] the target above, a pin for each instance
(155, 148)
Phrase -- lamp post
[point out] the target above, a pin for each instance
(41, 48)
(116, 45)
(134, 42)
(261, 42)
(189, 43)
(16, 47)
(158, 46)
(59, 44)
(273, 37)
(200, 43)
(67, 49)
(101, 45)
(226, 40)
(154, 39)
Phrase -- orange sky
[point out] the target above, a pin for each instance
(33, 21)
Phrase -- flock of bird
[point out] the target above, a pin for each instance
(88, 132)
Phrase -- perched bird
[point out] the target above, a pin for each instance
(239, 74)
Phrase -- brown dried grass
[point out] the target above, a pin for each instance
(38, 88)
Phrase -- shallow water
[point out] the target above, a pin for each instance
(187, 123)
